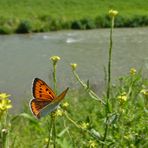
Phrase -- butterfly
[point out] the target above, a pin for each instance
(45, 100)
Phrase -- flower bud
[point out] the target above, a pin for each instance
(55, 59)
(113, 13)
(73, 66)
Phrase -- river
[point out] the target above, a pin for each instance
(24, 57)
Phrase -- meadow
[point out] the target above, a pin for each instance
(115, 118)
(41, 16)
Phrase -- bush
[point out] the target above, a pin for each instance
(120, 21)
(99, 21)
(76, 25)
(24, 27)
(88, 23)
(5, 29)
(102, 21)
(85, 23)
(56, 25)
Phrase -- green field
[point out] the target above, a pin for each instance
(46, 15)
(71, 9)
(85, 124)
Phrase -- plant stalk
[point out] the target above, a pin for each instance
(91, 93)
(54, 78)
(108, 81)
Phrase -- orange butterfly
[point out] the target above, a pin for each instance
(45, 100)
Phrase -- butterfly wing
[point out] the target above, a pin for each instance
(61, 96)
(36, 106)
(54, 104)
(41, 91)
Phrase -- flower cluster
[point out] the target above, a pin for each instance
(144, 92)
(65, 104)
(113, 13)
(123, 97)
(55, 59)
(132, 71)
(92, 144)
(5, 103)
(84, 125)
(58, 112)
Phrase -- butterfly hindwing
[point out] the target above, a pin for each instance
(41, 91)
(54, 104)
(36, 106)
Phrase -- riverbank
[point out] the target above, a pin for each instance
(28, 16)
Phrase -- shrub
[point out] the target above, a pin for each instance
(120, 21)
(5, 29)
(99, 21)
(88, 23)
(76, 24)
(24, 27)
(56, 25)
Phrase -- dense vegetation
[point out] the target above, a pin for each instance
(45, 15)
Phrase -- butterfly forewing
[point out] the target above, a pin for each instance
(61, 96)
(41, 91)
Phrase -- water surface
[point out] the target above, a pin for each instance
(24, 57)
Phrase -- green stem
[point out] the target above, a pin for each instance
(52, 128)
(54, 78)
(91, 93)
(54, 131)
(108, 81)
(53, 113)
(50, 133)
(5, 130)
(79, 127)
(110, 60)
(71, 120)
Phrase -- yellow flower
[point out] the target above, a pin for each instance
(58, 112)
(113, 13)
(4, 95)
(73, 66)
(46, 140)
(144, 92)
(92, 144)
(65, 104)
(122, 110)
(122, 97)
(84, 125)
(5, 103)
(128, 136)
(132, 146)
(55, 59)
(132, 71)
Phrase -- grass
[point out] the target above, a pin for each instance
(127, 124)
(70, 10)
(116, 118)
(55, 15)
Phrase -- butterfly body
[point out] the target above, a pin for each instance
(45, 100)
